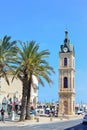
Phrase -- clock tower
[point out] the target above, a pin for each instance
(66, 78)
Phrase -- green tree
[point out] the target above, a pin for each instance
(31, 62)
(8, 51)
(40, 68)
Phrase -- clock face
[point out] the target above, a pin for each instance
(65, 49)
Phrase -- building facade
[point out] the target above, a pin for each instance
(66, 78)
(13, 92)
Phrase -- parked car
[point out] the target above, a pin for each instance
(84, 119)
(79, 112)
(40, 111)
(47, 111)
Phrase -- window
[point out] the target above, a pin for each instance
(65, 82)
(65, 61)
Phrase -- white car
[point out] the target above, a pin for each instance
(79, 112)
(84, 119)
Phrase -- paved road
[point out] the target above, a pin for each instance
(64, 125)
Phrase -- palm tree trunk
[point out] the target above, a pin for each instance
(24, 96)
(23, 108)
(28, 107)
(28, 99)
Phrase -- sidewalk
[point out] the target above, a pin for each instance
(38, 120)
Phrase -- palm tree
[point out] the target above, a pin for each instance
(31, 62)
(22, 70)
(41, 70)
(8, 51)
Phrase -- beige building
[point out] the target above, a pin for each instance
(14, 91)
(66, 78)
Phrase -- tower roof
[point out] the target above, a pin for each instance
(67, 43)
(66, 40)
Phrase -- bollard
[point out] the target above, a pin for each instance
(37, 119)
(51, 118)
(32, 117)
(61, 118)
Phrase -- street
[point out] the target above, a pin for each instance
(64, 125)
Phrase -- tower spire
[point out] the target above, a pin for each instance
(66, 36)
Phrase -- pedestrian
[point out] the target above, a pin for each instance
(2, 114)
(9, 113)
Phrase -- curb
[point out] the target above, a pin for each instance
(39, 120)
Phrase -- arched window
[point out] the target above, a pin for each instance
(65, 61)
(65, 82)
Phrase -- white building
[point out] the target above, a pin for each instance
(34, 92)
(15, 90)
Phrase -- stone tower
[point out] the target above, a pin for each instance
(66, 78)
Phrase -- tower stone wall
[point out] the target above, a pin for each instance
(66, 78)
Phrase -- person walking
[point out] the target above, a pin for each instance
(2, 114)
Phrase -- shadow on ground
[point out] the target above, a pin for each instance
(78, 127)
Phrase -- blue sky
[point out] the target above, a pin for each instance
(45, 22)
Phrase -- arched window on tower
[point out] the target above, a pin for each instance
(65, 82)
(65, 61)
